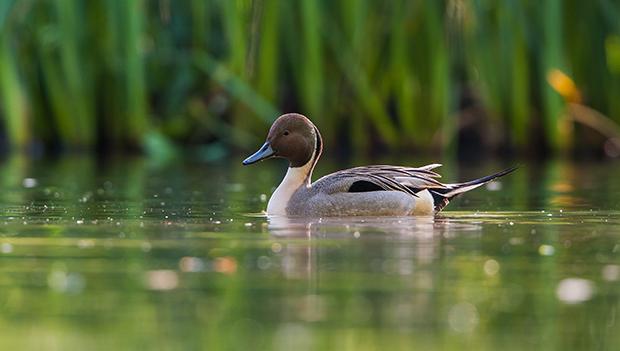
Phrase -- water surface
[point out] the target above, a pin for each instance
(127, 254)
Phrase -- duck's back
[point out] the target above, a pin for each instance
(346, 194)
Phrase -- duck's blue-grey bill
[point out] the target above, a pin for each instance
(264, 152)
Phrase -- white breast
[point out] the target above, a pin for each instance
(295, 178)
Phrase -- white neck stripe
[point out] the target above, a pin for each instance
(295, 178)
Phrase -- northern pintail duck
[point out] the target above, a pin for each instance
(379, 190)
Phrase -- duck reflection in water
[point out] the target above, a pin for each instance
(409, 240)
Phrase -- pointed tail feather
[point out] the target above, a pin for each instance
(460, 188)
(441, 198)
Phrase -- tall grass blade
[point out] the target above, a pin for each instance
(137, 112)
(13, 98)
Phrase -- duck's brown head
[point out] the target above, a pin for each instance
(293, 137)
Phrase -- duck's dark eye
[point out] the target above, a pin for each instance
(286, 132)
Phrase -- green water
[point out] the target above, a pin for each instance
(131, 255)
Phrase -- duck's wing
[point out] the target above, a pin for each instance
(382, 177)
(409, 180)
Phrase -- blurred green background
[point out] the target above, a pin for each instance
(209, 76)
